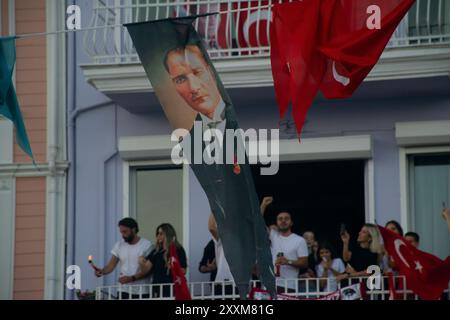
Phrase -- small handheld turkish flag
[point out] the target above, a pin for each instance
(426, 275)
(180, 287)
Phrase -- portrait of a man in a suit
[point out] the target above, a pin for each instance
(193, 97)
(195, 83)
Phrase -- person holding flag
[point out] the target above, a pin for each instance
(426, 275)
(160, 260)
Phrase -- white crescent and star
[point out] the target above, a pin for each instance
(398, 243)
(418, 266)
(251, 19)
(340, 78)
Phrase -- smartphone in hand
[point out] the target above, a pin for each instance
(343, 229)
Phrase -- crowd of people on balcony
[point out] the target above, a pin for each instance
(295, 257)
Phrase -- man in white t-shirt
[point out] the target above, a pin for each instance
(128, 251)
(223, 269)
(289, 250)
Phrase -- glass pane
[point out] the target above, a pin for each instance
(159, 199)
(431, 186)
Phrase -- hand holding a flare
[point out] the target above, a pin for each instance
(99, 272)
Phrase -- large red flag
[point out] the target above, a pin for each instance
(180, 287)
(354, 44)
(329, 45)
(426, 275)
(296, 66)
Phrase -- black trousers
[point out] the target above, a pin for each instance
(220, 289)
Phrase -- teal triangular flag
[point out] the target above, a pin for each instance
(9, 106)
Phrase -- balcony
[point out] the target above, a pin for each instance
(238, 42)
(304, 288)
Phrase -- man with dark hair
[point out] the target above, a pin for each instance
(289, 250)
(128, 251)
(413, 238)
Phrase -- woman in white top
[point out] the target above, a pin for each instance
(330, 269)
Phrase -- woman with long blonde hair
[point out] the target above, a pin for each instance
(157, 262)
(368, 251)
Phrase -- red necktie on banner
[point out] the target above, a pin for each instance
(328, 45)
(180, 287)
(426, 275)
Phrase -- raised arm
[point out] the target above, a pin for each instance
(346, 253)
(264, 204)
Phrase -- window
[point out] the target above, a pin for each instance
(429, 186)
(157, 197)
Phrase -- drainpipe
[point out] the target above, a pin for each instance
(72, 114)
(55, 220)
(71, 181)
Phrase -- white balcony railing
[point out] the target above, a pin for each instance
(240, 31)
(306, 288)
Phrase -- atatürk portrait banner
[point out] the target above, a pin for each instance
(194, 99)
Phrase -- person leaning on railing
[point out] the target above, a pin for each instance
(127, 252)
(368, 251)
(330, 269)
(157, 262)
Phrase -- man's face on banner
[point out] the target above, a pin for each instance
(193, 79)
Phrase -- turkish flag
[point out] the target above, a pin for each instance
(392, 291)
(180, 287)
(252, 23)
(296, 67)
(354, 43)
(426, 275)
(328, 45)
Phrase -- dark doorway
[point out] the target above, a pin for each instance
(319, 195)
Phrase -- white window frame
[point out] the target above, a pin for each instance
(406, 219)
(415, 138)
(127, 201)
